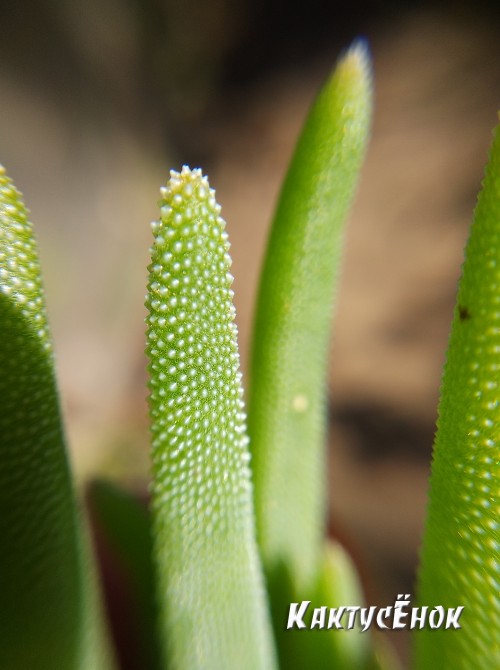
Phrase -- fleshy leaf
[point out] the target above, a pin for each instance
(49, 616)
(123, 523)
(337, 586)
(287, 395)
(213, 611)
(461, 548)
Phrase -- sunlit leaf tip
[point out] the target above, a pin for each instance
(297, 291)
(208, 567)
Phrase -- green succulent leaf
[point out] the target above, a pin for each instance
(125, 524)
(49, 616)
(292, 324)
(461, 547)
(337, 585)
(210, 588)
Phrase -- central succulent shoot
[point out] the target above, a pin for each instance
(210, 576)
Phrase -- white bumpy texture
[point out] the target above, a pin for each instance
(211, 595)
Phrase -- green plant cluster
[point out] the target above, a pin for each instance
(237, 529)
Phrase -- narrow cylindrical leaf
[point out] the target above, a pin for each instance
(461, 549)
(213, 610)
(292, 325)
(48, 612)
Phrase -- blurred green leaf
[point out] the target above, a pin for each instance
(337, 586)
(126, 526)
(49, 614)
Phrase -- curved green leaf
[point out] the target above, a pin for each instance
(49, 617)
(461, 548)
(292, 325)
(213, 612)
(337, 585)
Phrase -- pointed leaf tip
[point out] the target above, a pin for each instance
(292, 323)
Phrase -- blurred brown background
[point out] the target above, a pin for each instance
(99, 98)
